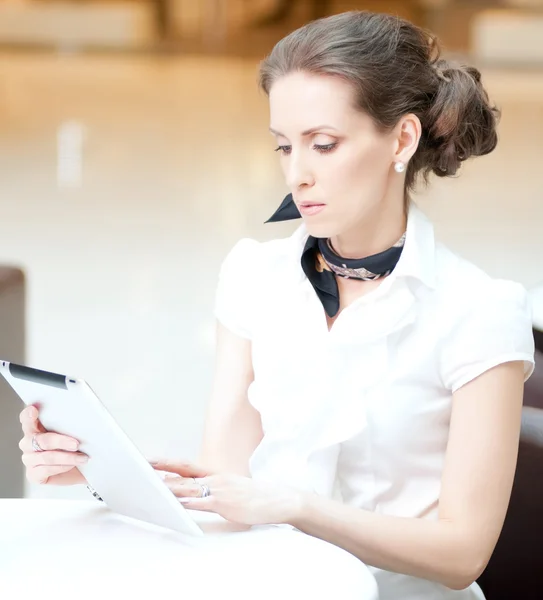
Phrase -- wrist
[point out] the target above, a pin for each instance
(297, 508)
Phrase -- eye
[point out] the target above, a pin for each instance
(325, 149)
(283, 149)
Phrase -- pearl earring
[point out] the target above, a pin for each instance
(399, 167)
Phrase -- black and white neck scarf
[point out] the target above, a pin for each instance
(322, 264)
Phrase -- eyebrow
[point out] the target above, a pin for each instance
(307, 131)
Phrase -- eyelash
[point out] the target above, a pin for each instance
(322, 149)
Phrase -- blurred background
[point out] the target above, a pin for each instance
(134, 153)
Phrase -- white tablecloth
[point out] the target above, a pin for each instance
(78, 550)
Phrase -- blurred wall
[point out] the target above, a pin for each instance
(114, 24)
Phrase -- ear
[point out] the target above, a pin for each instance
(408, 132)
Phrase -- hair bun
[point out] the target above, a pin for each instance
(461, 122)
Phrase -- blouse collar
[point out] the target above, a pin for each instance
(417, 261)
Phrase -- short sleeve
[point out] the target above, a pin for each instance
(234, 298)
(495, 328)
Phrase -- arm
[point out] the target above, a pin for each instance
(232, 427)
(476, 486)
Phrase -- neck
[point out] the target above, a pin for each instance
(378, 231)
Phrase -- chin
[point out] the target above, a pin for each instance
(320, 230)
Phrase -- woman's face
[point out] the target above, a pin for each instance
(337, 165)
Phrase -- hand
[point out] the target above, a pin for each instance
(57, 464)
(234, 497)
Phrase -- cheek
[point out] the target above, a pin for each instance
(364, 169)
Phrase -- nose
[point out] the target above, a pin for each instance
(297, 171)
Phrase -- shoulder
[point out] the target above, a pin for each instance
(464, 286)
(248, 273)
(484, 320)
(252, 256)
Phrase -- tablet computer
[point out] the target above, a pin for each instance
(116, 469)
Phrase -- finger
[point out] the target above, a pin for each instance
(29, 421)
(184, 488)
(181, 468)
(204, 504)
(43, 473)
(54, 457)
(49, 441)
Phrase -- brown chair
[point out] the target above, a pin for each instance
(515, 570)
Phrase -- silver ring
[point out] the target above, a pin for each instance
(205, 490)
(35, 446)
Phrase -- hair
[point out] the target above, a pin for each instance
(395, 69)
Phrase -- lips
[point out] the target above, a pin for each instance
(310, 208)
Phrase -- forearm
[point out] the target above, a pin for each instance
(233, 428)
(433, 550)
(228, 445)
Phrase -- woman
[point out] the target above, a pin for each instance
(369, 382)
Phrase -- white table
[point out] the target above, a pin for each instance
(78, 550)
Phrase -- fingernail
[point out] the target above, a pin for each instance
(81, 459)
(73, 445)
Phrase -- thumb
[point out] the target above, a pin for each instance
(29, 421)
(179, 467)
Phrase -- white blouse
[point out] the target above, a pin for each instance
(361, 412)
